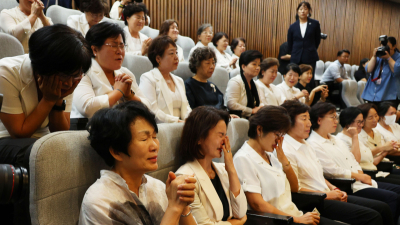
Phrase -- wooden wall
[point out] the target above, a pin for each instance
(351, 24)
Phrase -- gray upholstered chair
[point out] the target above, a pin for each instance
(360, 90)
(119, 22)
(183, 71)
(348, 71)
(354, 68)
(327, 65)
(349, 93)
(186, 43)
(278, 79)
(137, 64)
(220, 78)
(60, 14)
(319, 70)
(8, 4)
(234, 73)
(229, 50)
(10, 46)
(150, 32)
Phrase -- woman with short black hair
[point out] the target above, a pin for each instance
(107, 83)
(319, 93)
(165, 91)
(288, 86)
(361, 73)
(238, 46)
(224, 60)
(387, 125)
(93, 13)
(125, 137)
(204, 36)
(269, 93)
(170, 28)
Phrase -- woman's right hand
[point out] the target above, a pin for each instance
(233, 62)
(241, 221)
(180, 190)
(50, 86)
(145, 45)
(320, 88)
(390, 145)
(37, 8)
(308, 218)
(125, 82)
(334, 195)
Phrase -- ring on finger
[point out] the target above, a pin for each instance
(228, 151)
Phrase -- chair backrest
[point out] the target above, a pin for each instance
(183, 71)
(319, 70)
(150, 32)
(10, 46)
(354, 68)
(278, 79)
(234, 73)
(61, 171)
(349, 93)
(60, 14)
(8, 4)
(327, 63)
(137, 64)
(360, 90)
(229, 50)
(220, 78)
(119, 22)
(348, 70)
(186, 43)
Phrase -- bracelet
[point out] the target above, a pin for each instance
(188, 213)
(336, 189)
(121, 6)
(121, 92)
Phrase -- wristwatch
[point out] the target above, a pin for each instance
(122, 6)
(59, 108)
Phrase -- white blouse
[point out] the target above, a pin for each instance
(289, 92)
(15, 22)
(199, 45)
(257, 176)
(387, 135)
(134, 44)
(114, 12)
(270, 95)
(79, 23)
(176, 101)
(223, 60)
(370, 142)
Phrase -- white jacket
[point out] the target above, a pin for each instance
(134, 48)
(156, 90)
(79, 23)
(207, 207)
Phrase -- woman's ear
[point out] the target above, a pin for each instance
(117, 155)
(259, 130)
(319, 121)
(158, 59)
(94, 50)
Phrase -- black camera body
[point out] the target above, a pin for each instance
(324, 36)
(383, 39)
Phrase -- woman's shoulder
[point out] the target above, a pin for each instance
(177, 78)
(154, 183)
(11, 12)
(185, 169)
(143, 36)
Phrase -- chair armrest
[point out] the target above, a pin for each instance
(371, 173)
(307, 201)
(343, 184)
(385, 166)
(261, 218)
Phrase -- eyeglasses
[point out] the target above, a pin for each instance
(279, 135)
(95, 16)
(117, 47)
(140, 18)
(333, 117)
(359, 122)
(207, 32)
(65, 77)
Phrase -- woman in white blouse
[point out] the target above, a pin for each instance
(387, 126)
(93, 13)
(238, 46)
(165, 91)
(118, 7)
(288, 88)
(23, 20)
(107, 83)
(269, 93)
(204, 35)
(224, 60)
(170, 28)
(242, 97)
(219, 198)
(134, 16)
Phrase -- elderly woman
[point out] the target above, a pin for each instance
(205, 35)
(170, 28)
(238, 46)
(224, 60)
(310, 174)
(106, 83)
(23, 20)
(93, 13)
(387, 126)
(134, 17)
(287, 87)
(242, 94)
(118, 7)
(219, 196)
(126, 138)
(269, 93)
(165, 91)
(319, 93)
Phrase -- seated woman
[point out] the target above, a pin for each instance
(224, 60)
(309, 172)
(23, 20)
(218, 194)
(118, 7)
(319, 93)
(387, 126)
(106, 83)
(205, 35)
(134, 17)
(238, 46)
(242, 94)
(37, 89)
(339, 161)
(165, 91)
(170, 28)
(125, 136)
(287, 87)
(269, 93)
(361, 73)
(93, 13)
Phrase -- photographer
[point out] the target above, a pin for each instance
(384, 65)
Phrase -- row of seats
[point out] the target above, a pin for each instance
(321, 67)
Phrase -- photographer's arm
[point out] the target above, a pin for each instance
(372, 62)
(391, 64)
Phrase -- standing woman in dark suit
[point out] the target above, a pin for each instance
(304, 37)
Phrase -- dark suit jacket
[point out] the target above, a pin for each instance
(304, 50)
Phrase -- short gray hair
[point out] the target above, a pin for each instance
(202, 28)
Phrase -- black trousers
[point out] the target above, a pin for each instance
(335, 99)
(391, 179)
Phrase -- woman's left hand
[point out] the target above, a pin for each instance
(228, 159)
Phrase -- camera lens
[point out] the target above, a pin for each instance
(14, 183)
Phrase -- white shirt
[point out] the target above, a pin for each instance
(367, 159)
(223, 60)
(176, 102)
(79, 23)
(337, 159)
(387, 135)
(370, 142)
(303, 28)
(334, 71)
(134, 44)
(237, 61)
(18, 86)
(257, 176)
(199, 45)
(114, 12)
(109, 198)
(289, 92)
(155, 88)
(270, 95)
(305, 164)
(91, 94)
(15, 22)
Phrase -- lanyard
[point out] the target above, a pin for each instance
(380, 72)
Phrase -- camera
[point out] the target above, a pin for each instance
(383, 39)
(323, 36)
(14, 183)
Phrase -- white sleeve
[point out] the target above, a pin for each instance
(335, 72)
(11, 98)
(19, 30)
(247, 174)
(233, 94)
(293, 164)
(114, 11)
(135, 88)
(72, 23)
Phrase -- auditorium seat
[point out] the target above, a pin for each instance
(10, 46)
(150, 32)
(8, 4)
(278, 79)
(220, 78)
(319, 70)
(349, 93)
(234, 73)
(137, 64)
(183, 71)
(348, 70)
(327, 63)
(354, 68)
(360, 90)
(186, 43)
